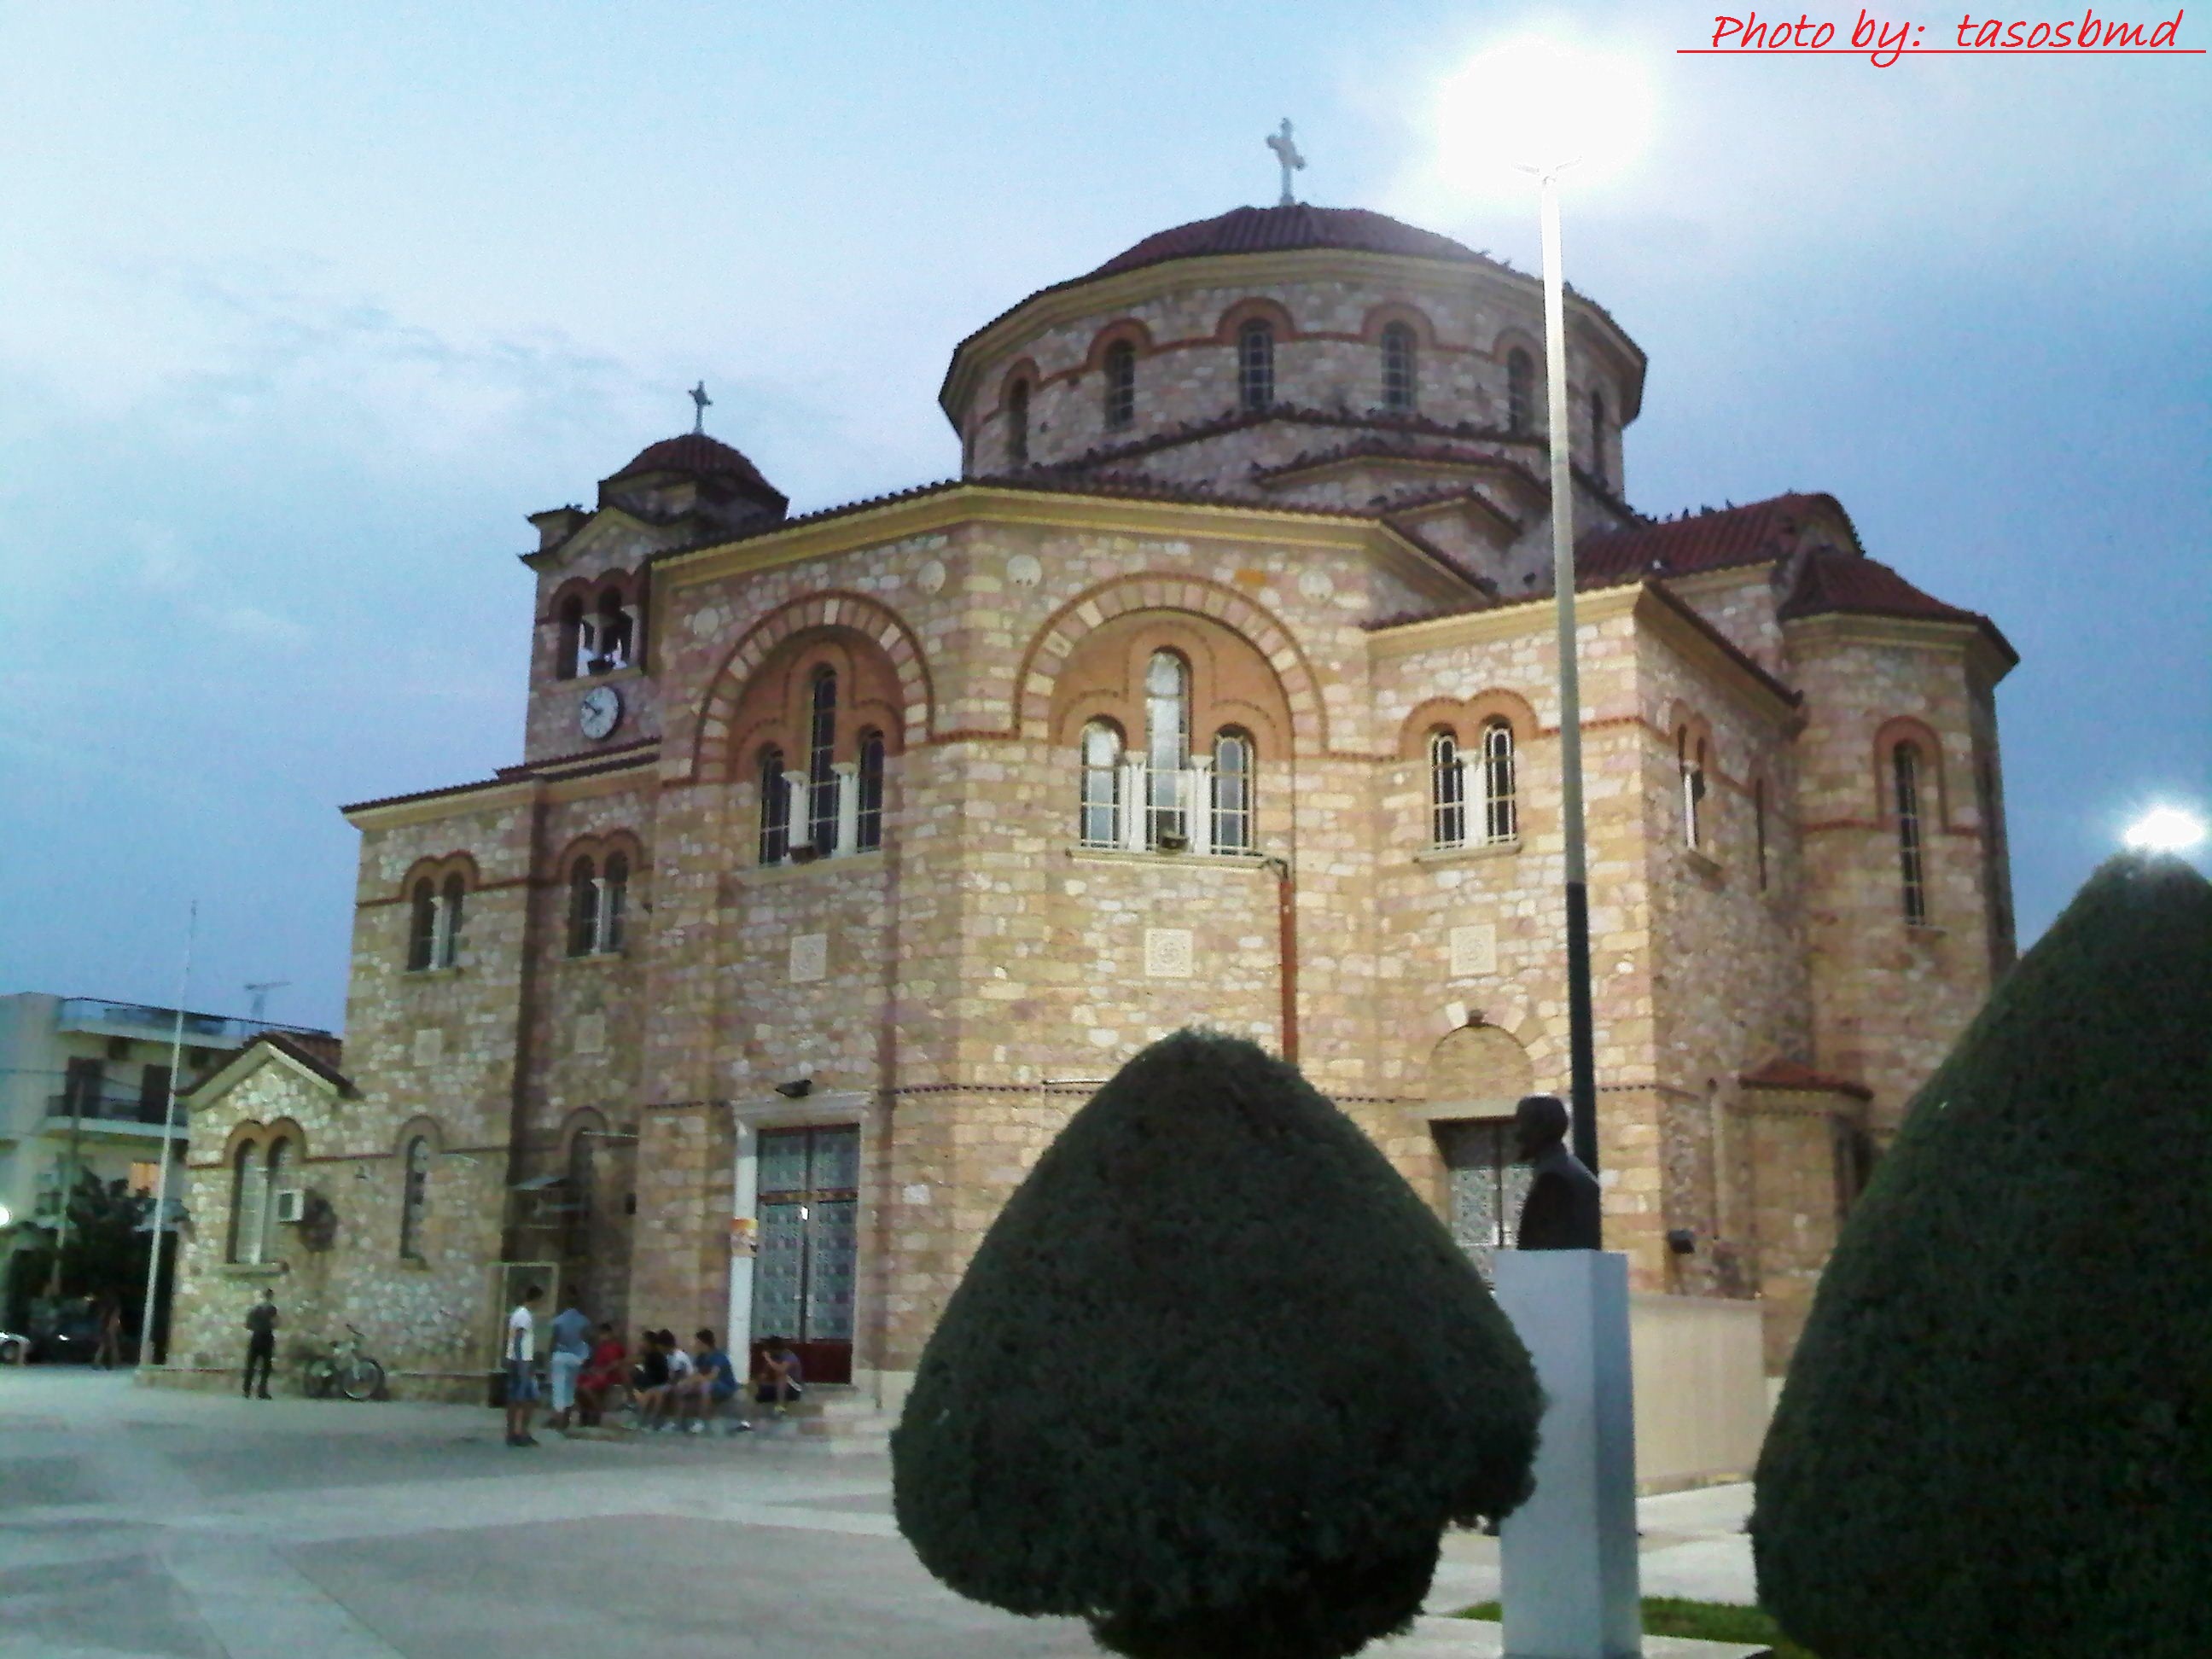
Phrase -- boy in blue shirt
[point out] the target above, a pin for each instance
(712, 1384)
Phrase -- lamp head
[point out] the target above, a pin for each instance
(1540, 104)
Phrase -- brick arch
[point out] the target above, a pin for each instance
(1134, 329)
(246, 1132)
(597, 847)
(1464, 718)
(421, 1124)
(1904, 728)
(579, 1120)
(1480, 1064)
(1380, 317)
(438, 868)
(1264, 310)
(1511, 338)
(711, 760)
(1054, 644)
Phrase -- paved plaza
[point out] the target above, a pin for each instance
(138, 1520)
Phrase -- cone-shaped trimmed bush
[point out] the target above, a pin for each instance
(1996, 1440)
(1216, 1380)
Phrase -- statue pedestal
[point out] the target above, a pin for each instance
(1568, 1555)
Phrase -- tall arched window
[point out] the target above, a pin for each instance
(774, 807)
(1400, 369)
(1017, 423)
(821, 752)
(614, 901)
(414, 1196)
(449, 921)
(1690, 762)
(1232, 792)
(613, 634)
(1101, 821)
(1904, 766)
(246, 1195)
(1255, 365)
(569, 648)
(422, 925)
(1520, 392)
(869, 828)
(583, 909)
(1758, 827)
(1167, 746)
(1120, 385)
(282, 1160)
(1597, 436)
(1501, 813)
(1447, 791)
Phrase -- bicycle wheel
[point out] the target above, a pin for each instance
(362, 1379)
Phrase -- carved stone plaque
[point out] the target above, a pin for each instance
(1473, 950)
(809, 958)
(1168, 952)
(590, 1033)
(429, 1046)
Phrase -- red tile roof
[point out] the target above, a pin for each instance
(1788, 1074)
(1751, 534)
(1275, 229)
(702, 456)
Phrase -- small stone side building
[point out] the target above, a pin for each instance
(849, 852)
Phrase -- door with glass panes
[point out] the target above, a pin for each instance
(1488, 1186)
(805, 1272)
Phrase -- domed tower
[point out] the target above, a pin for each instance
(592, 685)
(1302, 356)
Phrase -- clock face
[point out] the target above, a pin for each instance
(599, 711)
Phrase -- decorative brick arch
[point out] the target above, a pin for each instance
(711, 761)
(1055, 643)
(1464, 718)
(1380, 317)
(455, 863)
(1904, 728)
(1258, 308)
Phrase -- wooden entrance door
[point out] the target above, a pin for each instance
(810, 1244)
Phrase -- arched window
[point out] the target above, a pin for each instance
(1520, 392)
(1501, 815)
(1400, 369)
(774, 807)
(423, 927)
(1232, 792)
(1905, 765)
(1167, 747)
(1100, 821)
(414, 1194)
(567, 651)
(1255, 365)
(449, 921)
(583, 909)
(613, 635)
(282, 1159)
(1597, 436)
(246, 1195)
(1017, 423)
(821, 752)
(1120, 385)
(869, 828)
(1447, 791)
(614, 901)
(1690, 762)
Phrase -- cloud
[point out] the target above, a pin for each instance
(259, 627)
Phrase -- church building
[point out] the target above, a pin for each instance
(847, 853)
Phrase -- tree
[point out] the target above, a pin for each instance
(1216, 1380)
(1995, 1438)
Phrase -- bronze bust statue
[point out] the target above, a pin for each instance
(1561, 1210)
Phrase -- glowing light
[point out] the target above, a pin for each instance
(6, 1215)
(2166, 830)
(1540, 104)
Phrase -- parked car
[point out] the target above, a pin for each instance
(15, 1348)
(73, 1338)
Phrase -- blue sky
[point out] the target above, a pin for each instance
(302, 307)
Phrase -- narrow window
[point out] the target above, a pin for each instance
(1255, 365)
(278, 1174)
(1501, 819)
(422, 925)
(820, 750)
(1100, 821)
(1447, 791)
(1519, 392)
(1120, 385)
(613, 634)
(1597, 437)
(246, 1191)
(568, 649)
(869, 831)
(1017, 425)
(614, 901)
(1167, 744)
(583, 909)
(1232, 792)
(413, 1194)
(1905, 761)
(1758, 827)
(153, 1095)
(774, 807)
(1401, 370)
(449, 921)
(1690, 762)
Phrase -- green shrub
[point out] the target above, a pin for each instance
(1996, 1435)
(1216, 1380)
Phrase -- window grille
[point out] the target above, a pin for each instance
(1905, 761)
(583, 909)
(449, 921)
(1447, 791)
(870, 826)
(1690, 761)
(1255, 365)
(422, 925)
(247, 1192)
(1501, 819)
(1520, 392)
(1120, 385)
(614, 901)
(774, 807)
(1167, 734)
(1400, 375)
(1232, 792)
(821, 748)
(1100, 822)
(282, 1156)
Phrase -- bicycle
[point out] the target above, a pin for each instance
(347, 1369)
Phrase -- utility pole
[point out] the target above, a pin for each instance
(161, 1221)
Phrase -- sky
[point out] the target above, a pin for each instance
(304, 306)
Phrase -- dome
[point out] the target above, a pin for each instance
(1278, 229)
(701, 456)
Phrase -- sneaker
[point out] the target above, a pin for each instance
(696, 1428)
(514, 1440)
(665, 1428)
(740, 1426)
(528, 1440)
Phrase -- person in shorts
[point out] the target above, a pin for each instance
(711, 1385)
(606, 1372)
(521, 1356)
(572, 1347)
(660, 1412)
(778, 1378)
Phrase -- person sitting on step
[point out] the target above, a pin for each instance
(778, 1378)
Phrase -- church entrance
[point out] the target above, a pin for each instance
(1486, 1186)
(810, 1237)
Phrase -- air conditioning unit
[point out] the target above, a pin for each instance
(291, 1205)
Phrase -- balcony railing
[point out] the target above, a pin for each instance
(110, 1109)
(202, 1030)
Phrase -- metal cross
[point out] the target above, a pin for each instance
(698, 398)
(1286, 152)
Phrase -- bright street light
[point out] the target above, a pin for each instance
(2166, 830)
(1540, 104)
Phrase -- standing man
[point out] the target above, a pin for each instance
(572, 1347)
(522, 1374)
(260, 1341)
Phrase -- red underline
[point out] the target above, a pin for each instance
(1922, 52)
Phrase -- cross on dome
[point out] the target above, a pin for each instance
(700, 401)
(1286, 152)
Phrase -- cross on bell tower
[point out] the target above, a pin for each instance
(1286, 152)
(700, 401)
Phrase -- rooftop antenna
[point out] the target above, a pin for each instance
(1286, 152)
(700, 403)
(260, 990)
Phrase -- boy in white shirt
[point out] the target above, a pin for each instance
(520, 1353)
